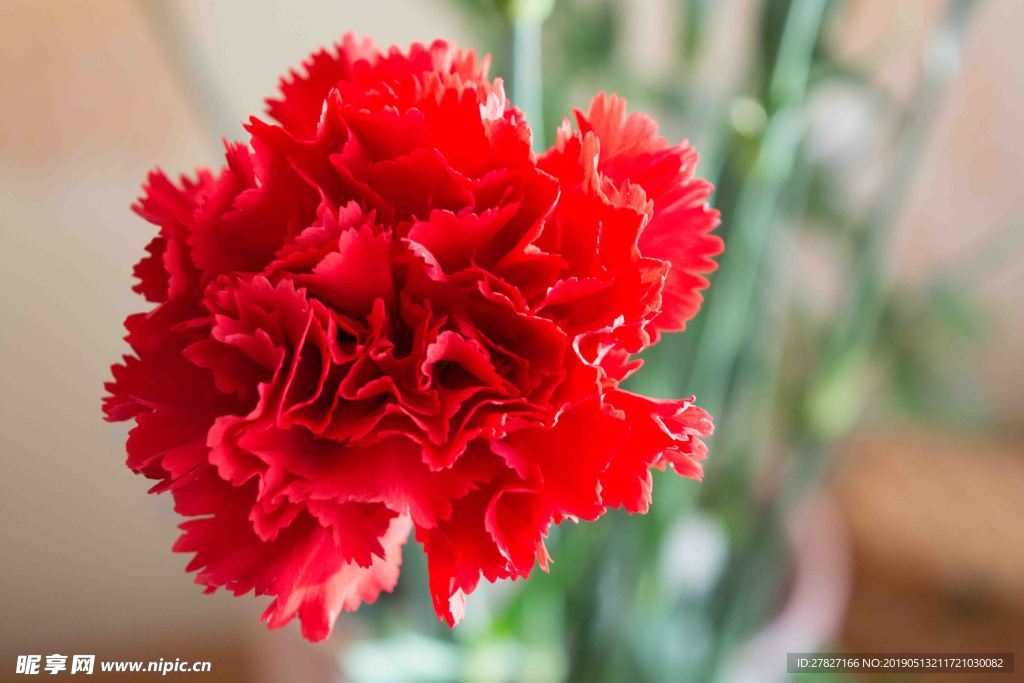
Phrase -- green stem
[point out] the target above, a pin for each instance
(735, 286)
(834, 398)
(526, 87)
(853, 337)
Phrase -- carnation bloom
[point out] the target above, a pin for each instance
(385, 315)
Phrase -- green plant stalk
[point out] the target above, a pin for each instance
(835, 398)
(759, 367)
(862, 315)
(527, 85)
(729, 316)
(732, 295)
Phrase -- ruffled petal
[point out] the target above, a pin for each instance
(303, 568)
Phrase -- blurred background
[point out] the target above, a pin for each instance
(861, 347)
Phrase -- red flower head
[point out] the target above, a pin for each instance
(385, 314)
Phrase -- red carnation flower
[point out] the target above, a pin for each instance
(386, 314)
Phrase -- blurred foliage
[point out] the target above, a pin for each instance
(676, 595)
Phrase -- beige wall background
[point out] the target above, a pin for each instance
(89, 102)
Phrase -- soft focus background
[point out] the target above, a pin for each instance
(862, 345)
